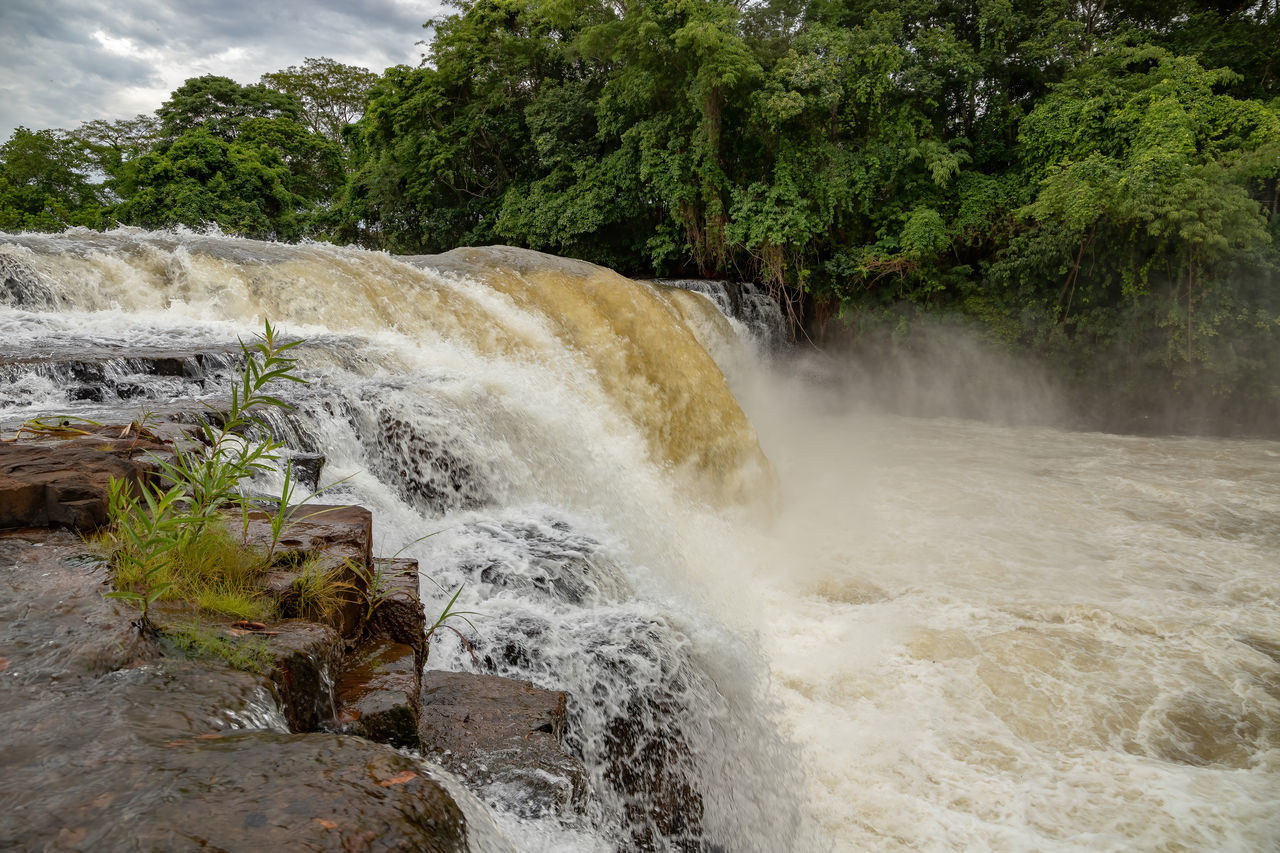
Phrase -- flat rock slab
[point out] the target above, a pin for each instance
(320, 527)
(504, 737)
(55, 625)
(63, 483)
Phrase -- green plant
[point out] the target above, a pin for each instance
(55, 426)
(210, 477)
(373, 585)
(170, 542)
(449, 613)
(285, 511)
(320, 591)
(146, 536)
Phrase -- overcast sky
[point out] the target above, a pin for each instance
(63, 62)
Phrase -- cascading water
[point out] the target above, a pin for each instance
(548, 421)
(976, 637)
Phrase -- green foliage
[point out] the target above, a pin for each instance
(321, 591)
(45, 184)
(210, 477)
(220, 106)
(332, 95)
(170, 541)
(1097, 183)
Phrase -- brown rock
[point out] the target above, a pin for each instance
(107, 746)
(343, 530)
(63, 483)
(337, 535)
(399, 614)
(503, 736)
(379, 694)
(308, 660)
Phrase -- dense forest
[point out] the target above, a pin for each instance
(1095, 183)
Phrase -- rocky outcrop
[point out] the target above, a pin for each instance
(398, 615)
(64, 483)
(504, 737)
(110, 745)
(115, 739)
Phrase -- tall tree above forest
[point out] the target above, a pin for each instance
(332, 95)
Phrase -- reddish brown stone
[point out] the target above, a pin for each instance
(379, 694)
(398, 615)
(503, 736)
(63, 483)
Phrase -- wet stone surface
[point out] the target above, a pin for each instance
(504, 737)
(64, 482)
(399, 616)
(308, 658)
(107, 745)
(379, 694)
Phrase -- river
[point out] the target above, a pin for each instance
(813, 624)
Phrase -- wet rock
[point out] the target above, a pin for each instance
(308, 658)
(307, 468)
(426, 467)
(503, 736)
(312, 528)
(399, 615)
(107, 746)
(546, 560)
(63, 483)
(379, 694)
(54, 622)
(338, 537)
(637, 721)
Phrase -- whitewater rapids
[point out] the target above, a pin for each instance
(876, 632)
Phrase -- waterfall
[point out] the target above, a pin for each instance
(750, 307)
(559, 430)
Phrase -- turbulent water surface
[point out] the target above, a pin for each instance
(811, 625)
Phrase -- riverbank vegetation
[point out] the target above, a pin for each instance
(1095, 184)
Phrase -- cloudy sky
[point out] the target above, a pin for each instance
(67, 61)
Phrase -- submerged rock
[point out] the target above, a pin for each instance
(503, 736)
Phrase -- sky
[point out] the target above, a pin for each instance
(63, 62)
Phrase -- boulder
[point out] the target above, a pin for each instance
(338, 536)
(379, 694)
(307, 468)
(63, 483)
(504, 737)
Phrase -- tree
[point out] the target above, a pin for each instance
(239, 159)
(332, 95)
(220, 105)
(44, 184)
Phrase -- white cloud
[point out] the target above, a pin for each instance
(63, 62)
